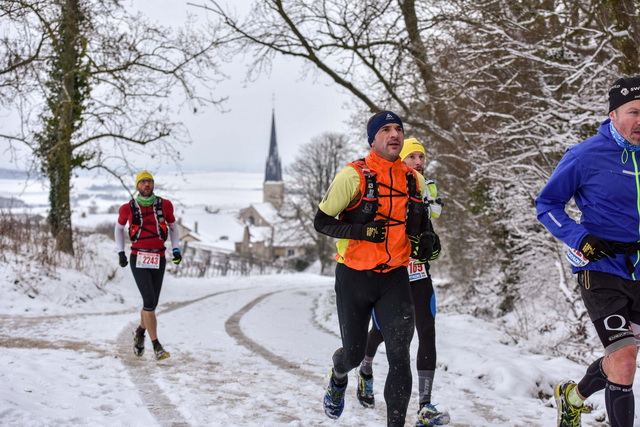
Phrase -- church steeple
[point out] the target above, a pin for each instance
(273, 187)
(273, 172)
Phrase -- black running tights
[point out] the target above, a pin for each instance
(425, 312)
(149, 282)
(357, 293)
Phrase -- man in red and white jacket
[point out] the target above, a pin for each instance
(151, 222)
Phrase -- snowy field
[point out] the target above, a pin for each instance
(244, 350)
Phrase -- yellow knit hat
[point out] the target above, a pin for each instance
(411, 145)
(143, 175)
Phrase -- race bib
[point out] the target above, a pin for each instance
(416, 271)
(148, 260)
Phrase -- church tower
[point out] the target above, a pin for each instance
(273, 187)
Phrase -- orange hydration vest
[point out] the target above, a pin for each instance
(390, 199)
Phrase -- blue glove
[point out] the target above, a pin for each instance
(177, 256)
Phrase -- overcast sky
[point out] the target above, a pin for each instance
(305, 107)
(238, 140)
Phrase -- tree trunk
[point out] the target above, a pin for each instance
(59, 197)
(65, 119)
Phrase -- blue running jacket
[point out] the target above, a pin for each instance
(604, 180)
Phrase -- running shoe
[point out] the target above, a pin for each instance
(138, 344)
(568, 415)
(160, 353)
(429, 415)
(365, 390)
(334, 399)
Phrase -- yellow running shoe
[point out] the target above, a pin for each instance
(568, 415)
(160, 353)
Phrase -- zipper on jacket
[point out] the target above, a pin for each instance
(386, 241)
(635, 169)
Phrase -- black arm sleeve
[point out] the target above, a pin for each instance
(332, 227)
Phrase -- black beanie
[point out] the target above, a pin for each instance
(624, 90)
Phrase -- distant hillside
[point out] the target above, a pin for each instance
(12, 174)
(11, 202)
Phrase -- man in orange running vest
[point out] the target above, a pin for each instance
(151, 222)
(413, 155)
(378, 205)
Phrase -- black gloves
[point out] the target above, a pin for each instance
(122, 259)
(415, 245)
(437, 247)
(594, 248)
(425, 247)
(177, 256)
(374, 231)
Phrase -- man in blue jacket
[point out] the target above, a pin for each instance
(602, 174)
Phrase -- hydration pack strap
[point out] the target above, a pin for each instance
(364, 206)
(391, 222)
(161, 223)
(370, 183)
(414, 204)
(412, 186)
(135, 228)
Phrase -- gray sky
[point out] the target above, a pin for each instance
(238, 140)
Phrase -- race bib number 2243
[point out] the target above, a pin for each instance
(148, 260)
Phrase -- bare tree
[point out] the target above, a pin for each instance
(496, 89)
(309, 177)
(621, 21)
(94, 84)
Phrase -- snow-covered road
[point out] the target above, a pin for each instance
(248, 351)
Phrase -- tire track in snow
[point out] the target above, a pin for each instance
(316, 323)
(33, 343)
(142, 371)
(232, 326)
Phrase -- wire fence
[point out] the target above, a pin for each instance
(203, 263)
